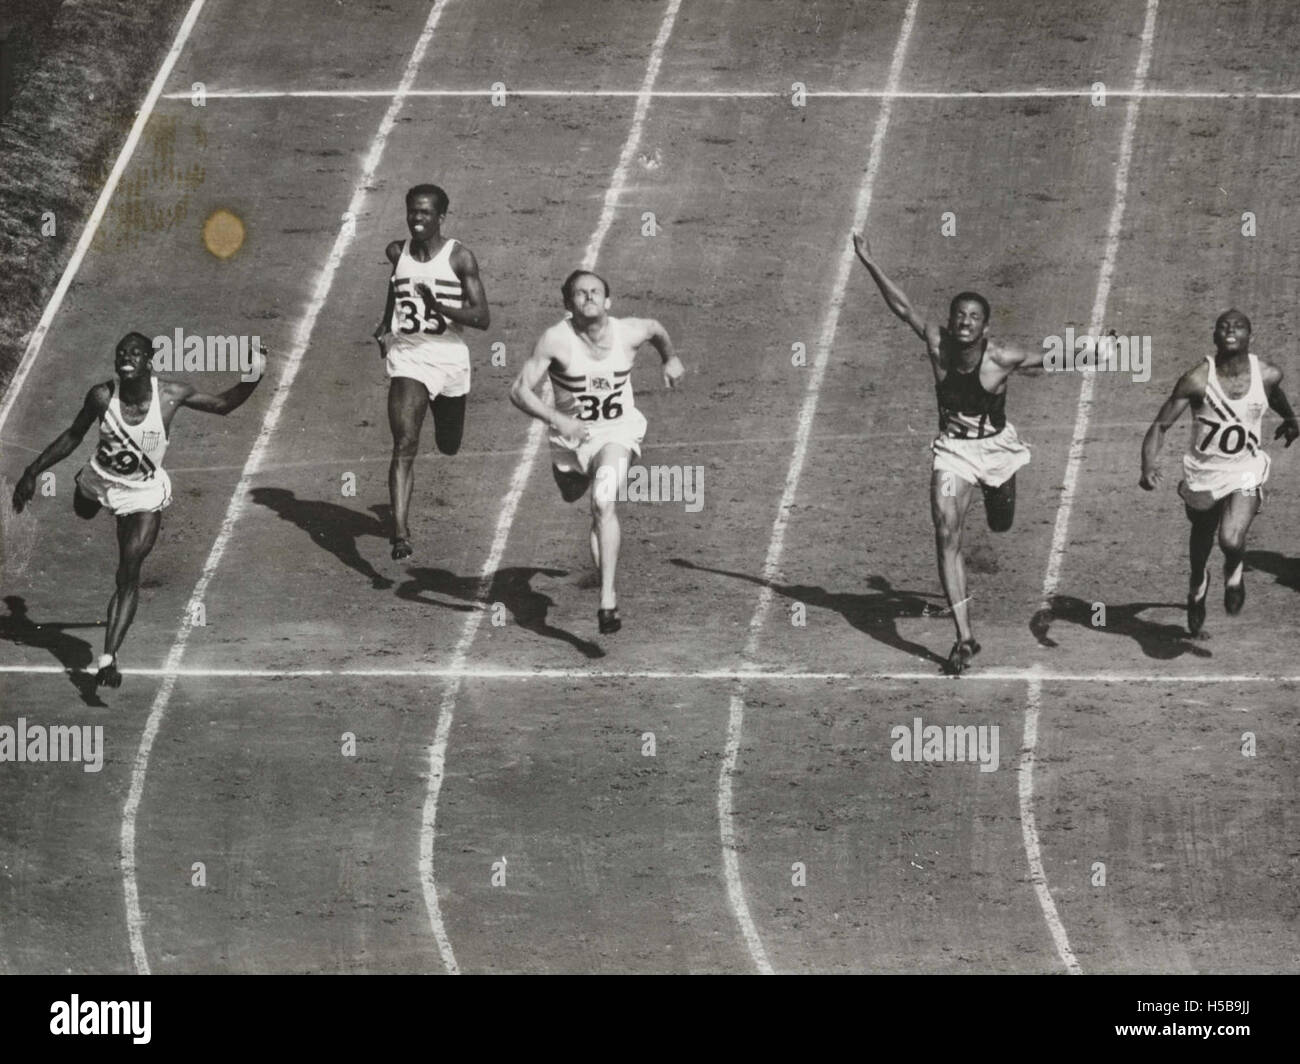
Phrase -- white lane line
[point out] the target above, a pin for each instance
(747, 94)
(97, 214)
(466, 672)
(1033, 703)
(302, 337)
(447, 708)
(1041, 676)
(472, 672)
(1029, 830)
(736, 715)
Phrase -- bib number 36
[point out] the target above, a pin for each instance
(593, 408)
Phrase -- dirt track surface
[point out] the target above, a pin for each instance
(613, 859)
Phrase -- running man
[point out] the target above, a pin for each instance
(433, 294)
(976, 445)
(125, 474)
(1224, 466)
(596, 429)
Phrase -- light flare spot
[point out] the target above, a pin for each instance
(223, 233)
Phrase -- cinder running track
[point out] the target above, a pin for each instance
(801, 634)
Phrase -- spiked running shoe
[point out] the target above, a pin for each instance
(1234, 597)
(1196, 607)
(960, 656)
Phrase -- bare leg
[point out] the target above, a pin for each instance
(572, 485)
(1000, 505)
(407, 403)
(1239, 510)
(136, 535)
(448, 421)
(572, 488)
(609, 471)
(1200, 542)
(84, 506)
(950, 498)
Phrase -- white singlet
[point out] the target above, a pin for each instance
(414, 325)
(125, 473)
(1224, 452)
(131, 453)
(590, 388)
(594, 390)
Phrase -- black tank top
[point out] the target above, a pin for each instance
(966, 410)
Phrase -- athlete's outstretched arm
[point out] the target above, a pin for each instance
(894, 296)
(1013, 357)
(1277, 399)
(523, 393)
(657, 336)
(223, 402)
(475, 312)
(64, 444)
(1185, 391)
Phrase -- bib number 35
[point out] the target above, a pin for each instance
(413, 318)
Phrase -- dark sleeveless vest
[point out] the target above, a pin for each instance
(966, 410)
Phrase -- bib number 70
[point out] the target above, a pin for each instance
(593, 408)
(1234, 433)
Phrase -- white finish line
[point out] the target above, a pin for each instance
(470, 672)
(739, 94)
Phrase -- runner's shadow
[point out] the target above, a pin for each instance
(509, 586)
(875, 615)
(1286, 571)
(72, 653)
(332, 527)
(1161, 641)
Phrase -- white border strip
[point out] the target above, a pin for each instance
(301, 340)
(743, 94)
(97, 215)
(447, 708)
(736, 715)
(1056, 557)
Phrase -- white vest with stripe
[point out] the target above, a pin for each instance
(1226, 432)
(415, 326)
(130, 454)
(590, 388)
